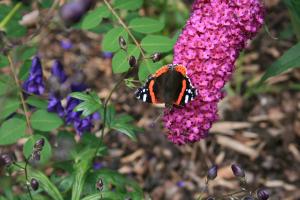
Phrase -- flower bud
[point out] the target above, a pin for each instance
(132, 61)
(210, 198)
(39, 144)
(6, 159)
(34, 184)
(72, 12)
(87, 4)
(156, 57)
(237, 170)
(212, 172)
(99, 185)
(262, 194)
(122, 43)
(36, 155)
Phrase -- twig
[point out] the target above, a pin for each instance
(126, 28)
(11, 65)
(26, 177)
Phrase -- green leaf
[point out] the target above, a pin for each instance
(290, 59)
(91, 103)
(94, 17)
(27, 52)
(146, 25)
(45, 153)
(44, 121)
(37, 102)
(122, 124)
(120, 60)
(24, 71)
(3, 61)
(8, 107)
(294, 10)
(83, 162)
(12, 130)
(147, 67)
(46, 184)
(128, 4)
(157, 43)
(110, 41)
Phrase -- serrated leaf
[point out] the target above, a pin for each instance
(91, 103)
(128, 4)
(94, 17)
(146, 25)
(8, 107)
(146, 68)
(157, 43)
(81, 96)
(110, 41)
(120, 60)
(45, 184)
(44, 121)
(12, 130)
(45, 153)
(290, 59)
(37, 102)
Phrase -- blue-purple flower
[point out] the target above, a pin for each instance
(54, 105)
(34, 83)
(57, 70)
(66, 44)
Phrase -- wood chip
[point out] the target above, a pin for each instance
(133, 156)
(228, 127)
(237, 146)
(280, 184)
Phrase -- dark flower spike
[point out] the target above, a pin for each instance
(39, 144)
(34, 184)
(212, 172)
(237, 171)
(54, 105)
(6, 159)
(34, 83)
(99, 185)
(156, 57)
(132, 61)
(122, 43)
(262, 194)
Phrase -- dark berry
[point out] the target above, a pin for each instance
(132, 61)
(72, 12)
(39, 144)
(36, 155)
(237, 170)
(87, 4)
(6, 159)
(212, 172)
(156, 57)
(34, 184)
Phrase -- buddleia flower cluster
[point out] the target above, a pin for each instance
(60, 87)
(208, 46)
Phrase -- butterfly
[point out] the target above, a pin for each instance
(170, 85)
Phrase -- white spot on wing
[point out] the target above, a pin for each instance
(144, 97)
(186, 100)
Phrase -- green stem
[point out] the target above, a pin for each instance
(8, 17)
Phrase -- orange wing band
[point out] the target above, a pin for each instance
(181, 69)
(152, 95)
(181, 92)
(161, 70)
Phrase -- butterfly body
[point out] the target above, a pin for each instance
(169, 85)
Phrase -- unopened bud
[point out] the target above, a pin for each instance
(36, 155)
(122, 43)
(99, 184)
(262, 194)
(248, 198)
(237, 170)
(6, 159)
(156, 57)
(39, 144)
(210, 198)
(132, 61)
(72, 12)
(212, 172)
(34, 184)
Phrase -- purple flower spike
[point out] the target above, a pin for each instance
(34, 83)
(54, 105)
(57, 70)
(208, 46)
(262, 194)
(66, 44)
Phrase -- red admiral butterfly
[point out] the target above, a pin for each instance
(169, 85)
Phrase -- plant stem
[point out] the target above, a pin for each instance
(26, 177)
(11, 65)
(126, 28)
(8, 17)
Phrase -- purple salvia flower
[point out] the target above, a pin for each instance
(66, 44)
(107, 54)
(34, 83)
(83, 125)
(57, 70)
(208, 46)
(54, 105)
(71, 115)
